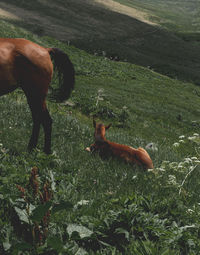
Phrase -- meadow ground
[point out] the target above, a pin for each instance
(81, 204)
(140, 37)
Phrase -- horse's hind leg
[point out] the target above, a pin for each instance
(40, 115)
(36, 111)
(35, 132)
(47, 125)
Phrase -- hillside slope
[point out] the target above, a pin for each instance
(134, 98)
(177, 15)
(81, 204)
(100, 30)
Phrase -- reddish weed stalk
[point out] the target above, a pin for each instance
(37, 193)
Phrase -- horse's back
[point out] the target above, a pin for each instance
(36, 54)
(24, 62)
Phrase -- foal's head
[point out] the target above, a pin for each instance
(100, 131)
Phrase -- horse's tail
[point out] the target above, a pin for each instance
(65, 70)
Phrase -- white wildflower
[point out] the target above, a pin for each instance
(173, 165)
(161, 169)
(81, 203)
(134, 177)
(172, 180)
(181, 137)
(176, 145)
(191, 138)
(194, 158)
(181, 165)
(165, 163)
(190, 211)
(191, 168)
(188, 160)
(100, 91)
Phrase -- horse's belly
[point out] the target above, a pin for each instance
(8, 82)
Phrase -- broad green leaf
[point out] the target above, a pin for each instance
(123, 231)
(81, 230)
(40, 211)
(22, 246)
(6, 245)
(22, 214)
(55, 243)
(61, 206)
(81, 251)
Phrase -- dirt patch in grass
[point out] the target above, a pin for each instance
(7, 14)
(129, 11)
(111, 5)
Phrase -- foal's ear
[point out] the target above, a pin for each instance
(107, 127)
(94, 123)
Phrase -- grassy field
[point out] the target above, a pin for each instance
(101, 31)
(78, 203)
(175, 15)
(180, 17)
(94, 206)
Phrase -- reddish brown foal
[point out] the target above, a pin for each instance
(106, 148)
(27, 65)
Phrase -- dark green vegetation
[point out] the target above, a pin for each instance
(80, 204)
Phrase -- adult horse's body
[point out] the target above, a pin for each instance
(27, 65)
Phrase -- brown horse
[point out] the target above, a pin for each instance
(27, 65)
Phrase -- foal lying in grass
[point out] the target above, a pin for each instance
(107, 148)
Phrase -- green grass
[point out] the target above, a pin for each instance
(180, 17)
(124, 209)
(172, 51)
(174, 15)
